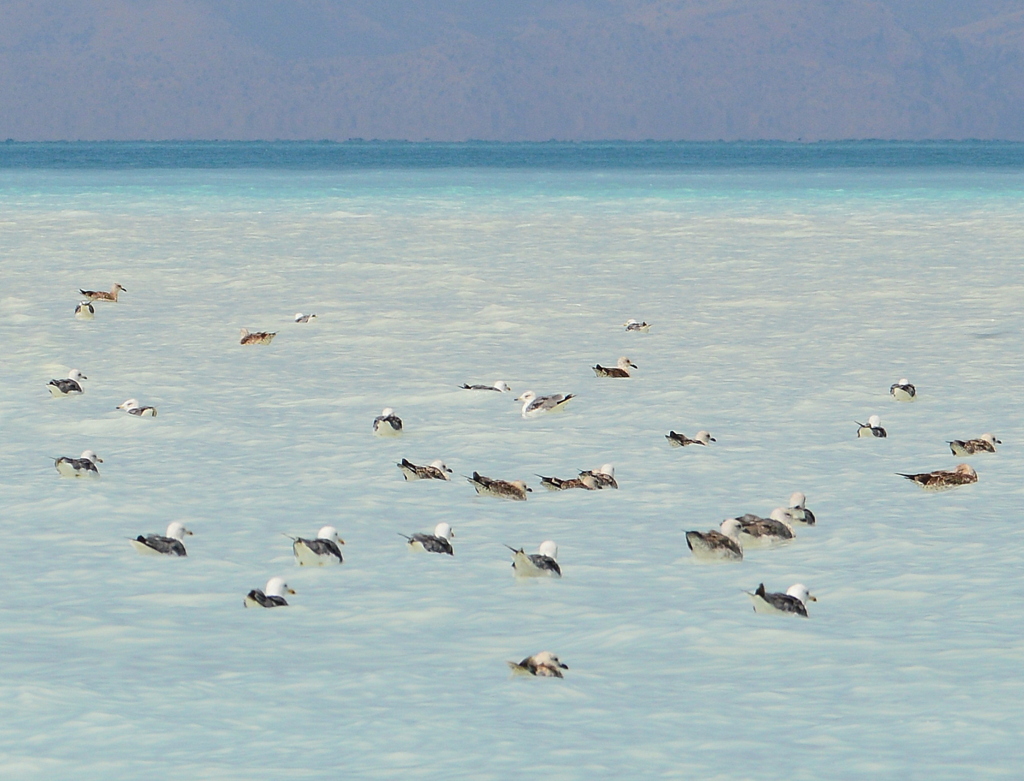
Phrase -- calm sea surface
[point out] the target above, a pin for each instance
(788, 287)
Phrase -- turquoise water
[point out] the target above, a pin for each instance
(784, 301)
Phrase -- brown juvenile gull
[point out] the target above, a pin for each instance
(259, 337)
(436, 470)
(986, 443)
(101, 295)
(543, 665)
(515, 489)
(621, 368)
(943, 479)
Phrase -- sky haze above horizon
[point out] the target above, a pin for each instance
(536, 70)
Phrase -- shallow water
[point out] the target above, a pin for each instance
(784, 303)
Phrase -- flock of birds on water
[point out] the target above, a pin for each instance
(726, 543)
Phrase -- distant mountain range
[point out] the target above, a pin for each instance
(561, 69)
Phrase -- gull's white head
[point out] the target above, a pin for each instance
(502, 386)
(875, 422)
(329, 533)
(276, 587)
(118, 287)
(549, 549)
(625, 363)
(387, 412)
(781, 514)
(730, 527)
(444, 530)
(799, 590)
(76, 375)
(704, 436)
(548, 659)
(607, 469)
(965, 469)
(521, 485)
(130, 404)
(903, 381)
(527, 397)
(991, 439)
(797, 500)
(177, 531)
(90, 455)
(439, 464)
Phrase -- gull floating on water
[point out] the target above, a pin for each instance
(621, 368)
(258, 337)
(903, 390)
(85, 311)
(603, 476)
(797, 510)
(387, 424)
(792, 603)
(543, 665)
(316, 553)
(501, 386)
(506, 489)
(557, 484)
(773, 529)
(942, 479)
(72, 386)
(169, 544)
(273, 596)
(83, 466)
(132, 407)
(301, 318)
(436, 470)
(633, 325)
(101, 295)
(438, 542)
(681, 440)
(536, 565)
(986, 443)
(873, 428)
(534, 405)
(723, 545)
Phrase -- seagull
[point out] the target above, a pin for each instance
(301, 318)
(534, 405)
(873, 428)
(603, 477)
(169, 544)
(633, 325)
(132, 408)
(259, 337)
(986, 443)
(72, 386)
(323, 550)
(85, 311)
(903, 390)
(797, 511)
(773, 529)
(500, 386)
(621, 368)
(793, 602)
(272, 597)
(83, 466)
(543, 665)
(434, 471)
(438, 542)
(387, 424)
(681, 440)
(721, 545)
(943, 480)
(101, 295)
(536, 565)
(584, 481)
(515, 489)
